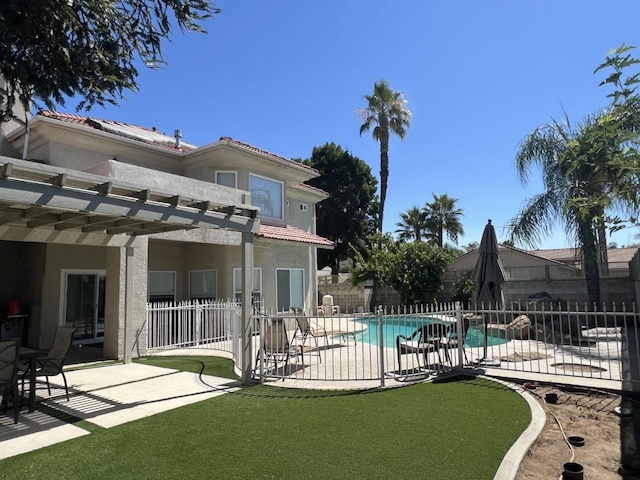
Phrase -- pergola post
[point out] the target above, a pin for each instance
(247, 296)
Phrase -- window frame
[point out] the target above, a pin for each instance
(161, 296)
(237, 289)
(302, 273)
(232, 172)
(215, 285)
(254, 201)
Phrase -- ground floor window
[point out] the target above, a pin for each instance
(203, 284)
(237, 283)
(289, 288)
(83, 301)
(162, 286)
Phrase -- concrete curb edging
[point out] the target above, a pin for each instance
(510, 464)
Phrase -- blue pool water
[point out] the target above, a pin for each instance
(394, 326)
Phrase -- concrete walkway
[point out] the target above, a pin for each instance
(106, 396)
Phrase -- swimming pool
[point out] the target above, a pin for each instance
(394, 326)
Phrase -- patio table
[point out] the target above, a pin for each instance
(31, 355)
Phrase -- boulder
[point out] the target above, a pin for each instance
(519, 328)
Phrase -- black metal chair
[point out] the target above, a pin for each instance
(424, 340)
(9, 351)
(53, 363)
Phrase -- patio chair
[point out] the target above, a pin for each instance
(9, 350)
(424, 340)
(305, 330)
(53, 363)
(275, 345)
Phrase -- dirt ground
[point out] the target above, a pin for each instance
(589, 414)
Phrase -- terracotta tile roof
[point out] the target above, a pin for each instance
(293, 234)
(273, 156)
(127, 130)
(319, 191)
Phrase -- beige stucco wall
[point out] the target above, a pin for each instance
(273, 255)
(126, 305)
(222, 259)
(58, 258)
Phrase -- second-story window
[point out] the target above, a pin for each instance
(228, 179)
(268, 195)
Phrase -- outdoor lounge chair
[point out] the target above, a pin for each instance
(276, 347)
(305, 330)
(426, 339)
(9, 350)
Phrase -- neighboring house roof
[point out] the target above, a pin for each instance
(134, 132)
(464, 258)
(566, 257)
(293, 234)
(569, 255)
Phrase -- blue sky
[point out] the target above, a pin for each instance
(478, 76)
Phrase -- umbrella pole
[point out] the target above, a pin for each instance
(485, 361)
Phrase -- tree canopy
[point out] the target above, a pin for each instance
(414, 269)
(387, 113)
(348, 215)
(443, 216)
(52, 49)
(432, 221)
(588, 169)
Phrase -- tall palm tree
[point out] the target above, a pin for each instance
(413, 224)
(443, 216)
(581, 168)
(387, 112)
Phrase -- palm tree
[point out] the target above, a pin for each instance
(580, 170)
(443, 216)
(388, 113)
(413, 225)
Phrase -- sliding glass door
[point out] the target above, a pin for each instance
(289, 288)
(84, 300)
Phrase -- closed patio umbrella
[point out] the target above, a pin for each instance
(488, 275)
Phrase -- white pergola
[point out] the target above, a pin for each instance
(45, 204)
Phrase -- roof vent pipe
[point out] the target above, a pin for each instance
(178, 135)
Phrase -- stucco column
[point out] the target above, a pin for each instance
(125, 333)
(247, 289)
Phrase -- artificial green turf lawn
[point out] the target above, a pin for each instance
(206, 365)
(448, 430)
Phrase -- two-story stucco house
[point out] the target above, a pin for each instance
(103, 216)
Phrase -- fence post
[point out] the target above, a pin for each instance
(461, 336)
(198, 320)
(261, 350)
(381, 345)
